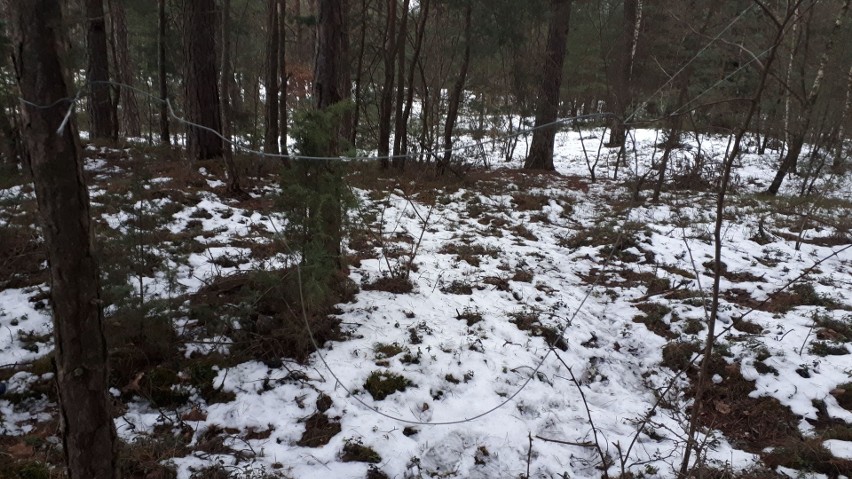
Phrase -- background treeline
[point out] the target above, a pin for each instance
(424, 72)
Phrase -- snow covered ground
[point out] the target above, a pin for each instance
(503, 268)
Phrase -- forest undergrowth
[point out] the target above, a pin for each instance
(491, 322)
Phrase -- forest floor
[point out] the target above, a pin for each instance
(495, 323)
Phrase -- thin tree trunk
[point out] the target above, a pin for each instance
(541, 151)
(103, 124)
(11, 143)
(386, 105)
(226, 79)
(347, 125)
(161, 72)
(88, 431)
(270, 144)
(128, 116)
(673, 138)
(202, 92)
(793, 47)
(283, 114)
(399, 127)
(359, 72)
(676, 119)
(455, 99)
(695, 413)
(415, 60)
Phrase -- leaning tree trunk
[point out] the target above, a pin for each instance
(270, 143)
(88, 432)
(455, 100)
(386, 104)
(541, 150)
(791, 158)
(103, 121)
(161, 73)
(202, 92)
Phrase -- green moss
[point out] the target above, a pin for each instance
(355, 451)
(385, 351)
(824, 348)
(693, 326)
(470, 315)
(381, 384)
(677, 356)
(32, 470)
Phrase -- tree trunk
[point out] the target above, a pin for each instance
(792, 156)
(455, 100)
(270, 144)
(399, 127)
(359, 72)
(129, 113)
(161, 72)
(415, 59)
(386, 105)
(622, 91)
(541, 151)
(283, 115)
(227, 78)
(330, 89)
(103, 124)
(695, 413)
(11, 144)
(673, 138)
(88, 432)
(202, 92)
(838, 164)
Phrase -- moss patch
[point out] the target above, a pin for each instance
(381, 384)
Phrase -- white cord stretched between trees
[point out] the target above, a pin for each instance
(184, 121)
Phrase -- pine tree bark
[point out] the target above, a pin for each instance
(161, 73)
(227, 78)
(270, 143)
(541, 150)
(128, 114)
(622, 90)
(97, 74)
(399, 125)
(454, 101)
(359, 72)
(283, 115)
(88, 432)
(386, 104)
(202, 92)
(330, 88)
